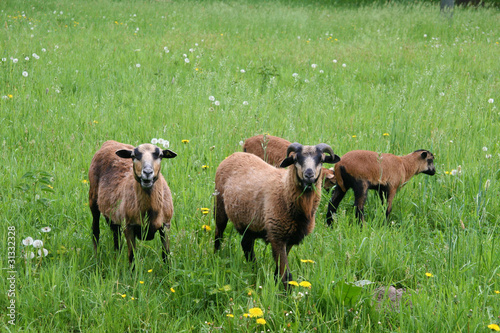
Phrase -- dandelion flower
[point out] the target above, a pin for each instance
(354, 136)
(150, 270)
(497, 292)
(293, 283)
(230, 315)
(124, 295)
(137, 65)
(314, 66)
(186, 60)
(246, 315)
(25, 74)
(46, 229)
(27, 58)
(217, 103)
(242, 71)
(185, 141)
(245, 103)
(154, 141)
(29, 255)
(305, 284)
(307, 261)
(334, 61)
(172, 290)
(494, 327)
(261, 321)
(211, 98)
(84, 181)
(491, 100)
(429, 275)
(15, 60)
(295, 75)
(37, 244)
(256, 312)
(27, 241)
(36, 56)
(485, 148)
(385, 134)
(43, 252)
(44, 50)
(141, 282)
(166, 144)
(206, 227)
(344, 65)
(321, 71)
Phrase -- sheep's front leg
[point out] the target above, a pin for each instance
(390, 197)
(333, 204)
(165, 241)
(360, 195)
(130, 236)
(96, 214)
(116, 235)
(247, 243)
(281, 259)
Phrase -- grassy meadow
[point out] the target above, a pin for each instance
(206, 75)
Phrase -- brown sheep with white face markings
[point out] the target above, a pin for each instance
(127, 187)
(274, 204)
(272, 149)
(364, 170)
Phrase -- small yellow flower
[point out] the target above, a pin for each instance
(206, 227)
(385, 134)
(132, 298)
(96, 122)
(124, 295)
(293, 283)
(494, 327)
(429, 275)
(205, 167)
(230, 315)
(141, 282)
(497, 292)
(249, 293)
(150, 270)
(354, 136)
(446, 172)
(185, 141)
(246, 315)
(205, 210)
(261, 321)
(50, 186)
(196, 69)
(85, 181)
(307, 261)
(305, 284)
(10, 96)
(172, 290)
(256, 312)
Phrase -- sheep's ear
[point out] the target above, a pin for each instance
(167, 153)
(424, 155)
(287, 162)
(331, 159)
(124, 153)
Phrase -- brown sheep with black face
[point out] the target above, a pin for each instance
(364, 170)
(272, 149)
(127, 187)
(274, 204)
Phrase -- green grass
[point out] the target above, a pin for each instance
(422, 78)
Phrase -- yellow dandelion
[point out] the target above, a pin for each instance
(446, 172)
(124, 295)
(256, 312)
(307, 261)
(249, 293)
(85, 181)
(385, 134)
(172, 290)
(196, 69)
(354, 136)
(96, 122)
(132, 298)
(246, 315)
(429, 275)
(230, 315)
(205, 167)
(336, 39)
(293, 283)
(50, 186)
(497, 292)
(494, 327)
(10, 96)
(185, 141)
(205, 210)
(141, 282)
(305, 284)
(150, 270)
(206, 227)
(261, 321)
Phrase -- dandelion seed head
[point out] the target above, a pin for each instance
(242, 71)
(334, 61)
(46, 229)
(485, 148)
(245, 103)
(314, 66)
(37, 244)
(491, 100)
(27, 241)
(217, 103)
(211, 98)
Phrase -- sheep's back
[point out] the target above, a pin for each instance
(275, 151)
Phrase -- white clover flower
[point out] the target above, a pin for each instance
(314, 65)
(166, 144)
(44, 251)
(37, 244)
(241, 143)
(485, 148)
(295, 75)
(334, 61)
(211, 98)
(491, 100)
(186, 60)
(57, 91)
(27, 241)
(344, 65)
(25, 74)
(56, 47)
(245, 103)
(46, 229)
(15, 60)
(137, 65)
(242, 71)
(217, 103)
(154, 141)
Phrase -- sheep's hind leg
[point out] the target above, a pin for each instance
(247, 243)
(360, 194)
(96, 214)
(220, 221)
(116, 234)
(281, 259)
(165, 241)
(130, 236)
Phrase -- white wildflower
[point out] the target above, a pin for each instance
(166, 144)
(211, 98)
(44, 251)
(344, 65)
(295, 75)
(488, 155)
(25, 74)
(154, 141)
(29, 255)
(485, 148)
(314, 66)
(36, 56)
(46, 229)
(321, 71)
(161, 141)
(15, 60)
(27, 58)
(245, 103)
(491, 100)
(217, 103)
(242, 71)
(334, 61)
(37, 244)
(186, 60)
(27, 241)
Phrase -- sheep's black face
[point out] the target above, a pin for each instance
(146, 162)
(308, 161)
(427, 162)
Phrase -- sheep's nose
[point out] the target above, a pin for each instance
(147, 173)
(309, 176)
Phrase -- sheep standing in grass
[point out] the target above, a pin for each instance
(272, 149)
(364, 170)
(274, 204)
(127, 187)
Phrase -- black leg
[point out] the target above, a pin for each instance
(333, 204)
